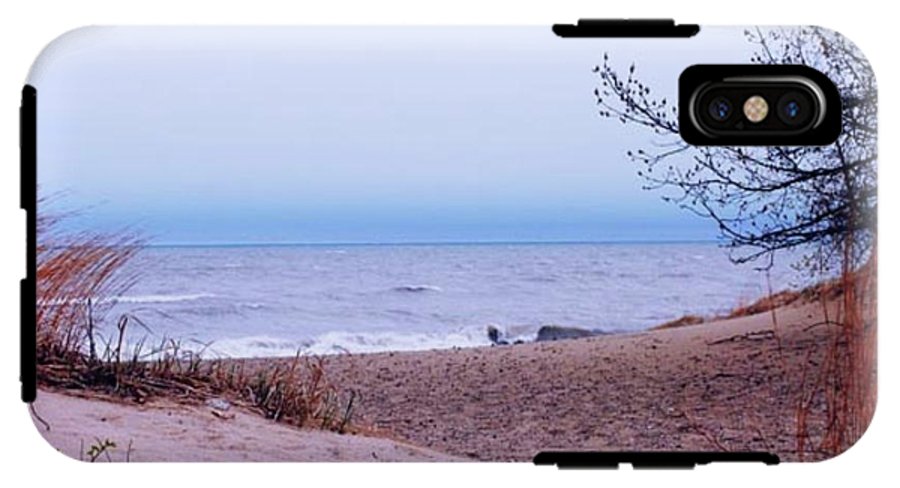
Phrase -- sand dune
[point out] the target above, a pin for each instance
(166, 431)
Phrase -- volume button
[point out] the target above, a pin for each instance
(28, 353)
(28, 147)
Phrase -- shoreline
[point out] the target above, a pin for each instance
(725, 384)
(700, 387)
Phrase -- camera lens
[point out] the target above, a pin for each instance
(792, 109)
(720, 109)
(795, 109)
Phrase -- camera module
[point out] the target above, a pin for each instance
(755, 105)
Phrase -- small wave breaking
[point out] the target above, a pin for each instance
(418, 288)
(343, 342)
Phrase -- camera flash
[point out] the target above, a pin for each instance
(756, 109)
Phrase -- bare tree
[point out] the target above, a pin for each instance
(821, 199)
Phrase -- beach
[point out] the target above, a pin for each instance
(731, 384)
(169, 431)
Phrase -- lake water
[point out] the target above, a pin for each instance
(246, 301)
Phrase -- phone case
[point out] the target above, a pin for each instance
(438, 244)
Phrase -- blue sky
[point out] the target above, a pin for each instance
(231, 135)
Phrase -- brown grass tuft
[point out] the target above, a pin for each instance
(78, 273)
(681, 322)
(845, 382)
(827, 291)
(73, 271)
(835, 401)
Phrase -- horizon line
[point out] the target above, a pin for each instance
(424, 243)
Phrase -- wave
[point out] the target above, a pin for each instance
(127, 299)
(254, 346)
(418, 288)
(346, 342)
(684, 275)
(342, 342)
(368, 342)
(160, 298)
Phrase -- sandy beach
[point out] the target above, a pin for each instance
(167, 431)
(726, 385)
(722, 385)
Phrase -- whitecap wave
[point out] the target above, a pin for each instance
(341, 342)
(418, 288)
(368, 342)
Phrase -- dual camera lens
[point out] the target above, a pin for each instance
(758, 107)
(792, 109)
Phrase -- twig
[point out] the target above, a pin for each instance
(750, 336)
(703, 432)
(38, 417)
(824, 322)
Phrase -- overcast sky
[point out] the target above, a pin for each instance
(231, 135)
